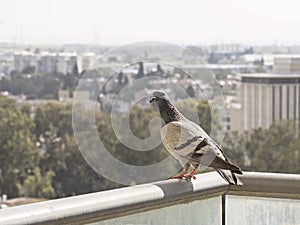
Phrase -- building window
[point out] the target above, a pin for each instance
(280, 102)
(288, 102)
(298, 103)
(295, 102)
(273, 104)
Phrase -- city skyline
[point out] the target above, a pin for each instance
(119, 22)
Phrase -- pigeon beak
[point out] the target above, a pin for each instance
(152, 99)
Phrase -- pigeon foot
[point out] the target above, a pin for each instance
(179, 176)
(189, 177)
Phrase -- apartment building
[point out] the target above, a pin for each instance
(266, 98)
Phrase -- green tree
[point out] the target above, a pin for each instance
(196, 111)
(37, 185)
(36, 86)
(190, 91)
(26, 109)
(141, 128)
(18, 153)
(28, 70)
(53, 124)
(234, 146)
(54, 132)
(205, 115)
(77, 177)
(139, 120)
(275, 149)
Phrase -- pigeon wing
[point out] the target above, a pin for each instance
(212, 155)
(188, 142)
(181, 139)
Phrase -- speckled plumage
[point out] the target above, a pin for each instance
(190, 144)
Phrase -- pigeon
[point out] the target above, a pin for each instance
(188, 143)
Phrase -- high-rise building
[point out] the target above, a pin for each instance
(88, 59)
(46, 63)
(23, 60)
(266, 98)
(49, 62)
(286, 65)
(65, 62)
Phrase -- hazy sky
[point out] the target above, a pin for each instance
(125, 21)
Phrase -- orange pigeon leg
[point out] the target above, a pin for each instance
(192, 173)
(180, 175)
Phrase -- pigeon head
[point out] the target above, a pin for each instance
(159, 96)
(167, 109)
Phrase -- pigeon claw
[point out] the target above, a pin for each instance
(179, 176)
(189, 177)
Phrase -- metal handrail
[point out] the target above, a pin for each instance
(124, 201)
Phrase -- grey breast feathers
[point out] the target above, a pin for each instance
(181, 139)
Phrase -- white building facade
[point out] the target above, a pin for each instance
(49, 63)
(286, 65)
(267, 98)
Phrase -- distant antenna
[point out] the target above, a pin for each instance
(96, 36)
(17, 36)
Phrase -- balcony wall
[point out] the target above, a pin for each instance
(265, 198)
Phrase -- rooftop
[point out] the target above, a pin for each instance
(271, 78)
(270, 75)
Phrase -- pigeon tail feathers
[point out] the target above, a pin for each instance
(230, 177)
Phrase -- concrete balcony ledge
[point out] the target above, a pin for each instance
(109, 204)
(268, 184)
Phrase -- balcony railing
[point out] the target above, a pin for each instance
(265, 198)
